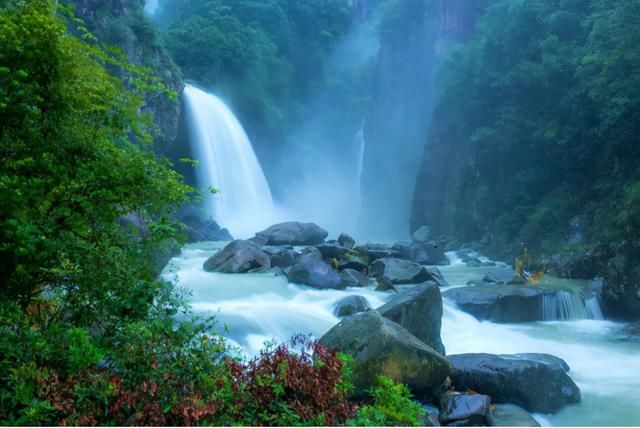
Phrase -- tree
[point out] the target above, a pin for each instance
(74, 161)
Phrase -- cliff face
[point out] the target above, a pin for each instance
(413, 34)
(122, 23)
(436, 174)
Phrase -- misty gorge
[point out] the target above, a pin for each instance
(319, 212)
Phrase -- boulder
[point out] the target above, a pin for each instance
(281, 256)
(331, 250)
(353, 278)
(473, 263)
(293, 233)
(534, 381)
(381, 347)
(419, 310)
(239, 256)
(421, 252)
(346, 241)
(510, 415)
(464, 409)
(350, 305)
(198, 230)
(310, 269)
(353, 260)
(501, 276)
(505, 303)
(377, 251)
(400, 271)
(421, 234)
(436, 276)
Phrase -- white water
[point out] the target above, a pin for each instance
(261, 307)
(228, 163)
(563, 306)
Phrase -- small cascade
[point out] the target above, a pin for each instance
(563, 306)
(242, 201)
(593, 308)
(360, 145)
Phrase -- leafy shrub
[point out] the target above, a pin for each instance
(392, 406)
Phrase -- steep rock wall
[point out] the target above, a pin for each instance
(413, 34)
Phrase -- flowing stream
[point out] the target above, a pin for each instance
(259, 307)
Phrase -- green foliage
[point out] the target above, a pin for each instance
(542, 106)
(264, 56)
(74, 161)
(392, 406)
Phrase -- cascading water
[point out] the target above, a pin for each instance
(242, 201)
(563, 306)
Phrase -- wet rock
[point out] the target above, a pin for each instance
(239, 256)
(500, 276)
(430, 252)
(510, 415)
(293, 233)
(346, 241)
(198, 230)
(421, 234)
(281, 256)
(500, 302)
(277, 271)
(430, 419)
(354, 260)
(419, 310)
(353, 278)
(350, 305)
(534, 381)
(381, 347)
(436, 276)
(332, 250)
(377, 251)
(466, 409)
(473, 263)
(400, 271)
(310, 269)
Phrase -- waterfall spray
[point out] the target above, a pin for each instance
(242, 199)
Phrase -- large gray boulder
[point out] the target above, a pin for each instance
(426, 253)
(381, 347)
(464, 409)
(419, 310)
(239, 256)
(346, 241)
(293, 233)
(281, 256)
(310, 269)
(332, 250)
(536, 382)
(510, 415)
(353, 278)
(377, 251)
(350, 305)
(400, 271)
(504, 303)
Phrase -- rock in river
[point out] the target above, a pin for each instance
(239, 256)
(381, 347)
(536, 382)
(350, 305)
(419, 310)
(310, 269)
(293, 233)
(400, 271)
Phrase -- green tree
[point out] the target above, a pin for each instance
(74, 160)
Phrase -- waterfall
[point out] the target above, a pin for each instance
(226, 162)
(593, 308)
(562, 306)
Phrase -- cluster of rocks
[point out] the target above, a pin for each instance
(402, 338)
(335, 264)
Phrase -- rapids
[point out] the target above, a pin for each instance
(258, 307)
